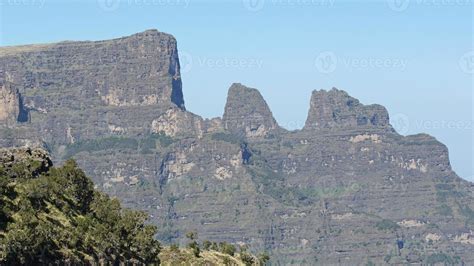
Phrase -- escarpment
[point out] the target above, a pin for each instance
(345, 189)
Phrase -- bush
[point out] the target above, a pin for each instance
(100, 144)
(174, 248)
(263, 258)
(440, 258)
(387, 225)
(226, 261)
(226, 137)
(227, 248)
(247, 259)
(206, 245)
(193, 244)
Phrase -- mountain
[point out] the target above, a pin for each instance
(345, 189)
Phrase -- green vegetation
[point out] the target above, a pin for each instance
(387, 225)
(50, 216)
(467, 212)
(100, 144)
(145, 145)
(226, 137)
(441, 258)
(444, 210)
(163, 139)
(193, 245)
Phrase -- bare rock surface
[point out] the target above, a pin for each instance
(346, 189)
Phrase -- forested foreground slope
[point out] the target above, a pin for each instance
(54, 215)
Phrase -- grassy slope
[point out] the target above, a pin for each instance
(182, 256)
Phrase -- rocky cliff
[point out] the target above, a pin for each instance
(346, 189)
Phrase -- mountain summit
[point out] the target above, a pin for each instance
(346, 189)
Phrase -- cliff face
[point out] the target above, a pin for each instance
(346, 189)
(12, 110)
(246, 113)
(83, 90)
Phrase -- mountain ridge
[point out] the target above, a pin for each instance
(346, 188)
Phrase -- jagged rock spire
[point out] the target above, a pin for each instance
(335, 109)
(247, 113)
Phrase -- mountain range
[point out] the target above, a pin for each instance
(345, 189)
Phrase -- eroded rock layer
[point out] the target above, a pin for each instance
(346, 189)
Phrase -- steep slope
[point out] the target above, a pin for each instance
(247, 114)
(54, 216)
(82, 90)
(346, 189)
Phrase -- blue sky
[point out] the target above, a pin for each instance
(413, 56)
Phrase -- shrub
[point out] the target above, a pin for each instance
(206, 245)
(227, 248)
(387, 225)
(174, 248)
(226, 137)
(263, 258)
(247, 259)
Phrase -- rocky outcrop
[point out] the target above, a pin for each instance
(83, 90)
(12, 109)
(35, 161)
(335, 109)
(246, 113)
(139, 70)
(346, 189)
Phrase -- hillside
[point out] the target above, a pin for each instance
(344, 189)
(53, 215)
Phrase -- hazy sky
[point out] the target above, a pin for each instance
(414, 57)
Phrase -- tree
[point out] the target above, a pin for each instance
(61, 219)
(263, 258)
(194, 244)
(247, 259)
(227, 248)
(206, 244)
